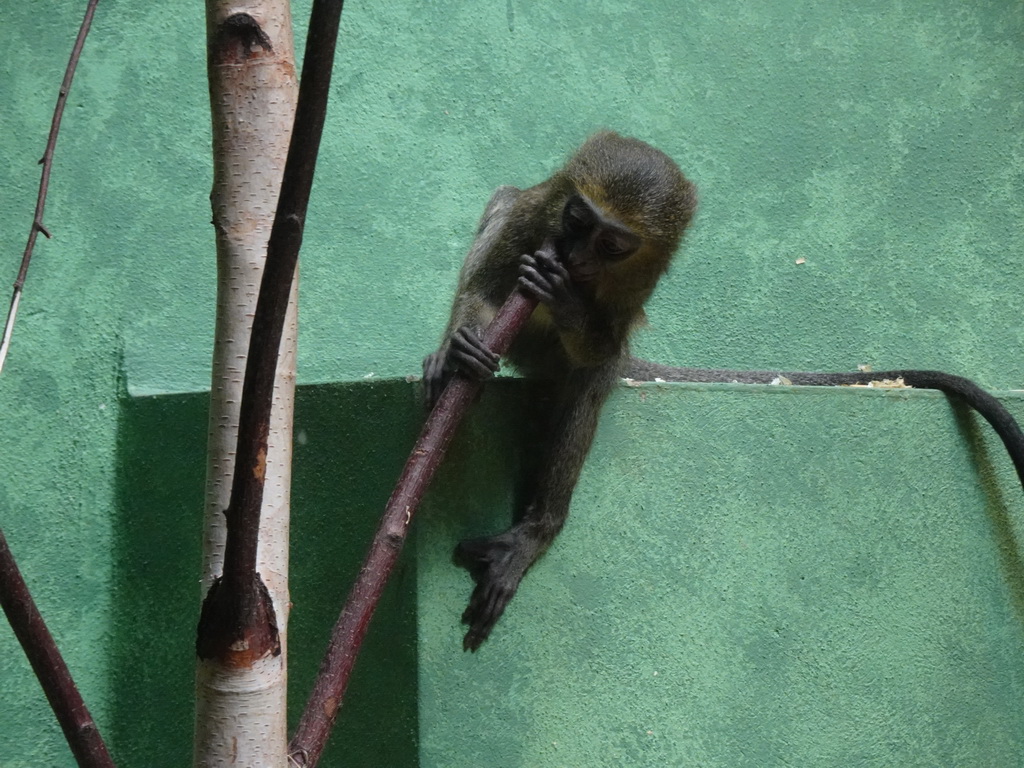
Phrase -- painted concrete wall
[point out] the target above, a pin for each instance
(813, 601)
(752, 576)
(881, 143)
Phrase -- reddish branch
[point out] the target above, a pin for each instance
(347, 636)
(237, 623)
(44, 183)
(30, 629)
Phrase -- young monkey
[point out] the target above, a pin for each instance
(590, 244)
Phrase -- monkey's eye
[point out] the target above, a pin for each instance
(615, 249)
(577, 217)
(574, 221)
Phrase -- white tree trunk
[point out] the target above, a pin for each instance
(241, 712)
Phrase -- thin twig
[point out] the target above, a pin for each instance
(79, 728)
(53, 675)
(44, 183)
(329, 689)
(238, 602)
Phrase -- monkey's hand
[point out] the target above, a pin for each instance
(544, 277)
(497, 565)
(464, 353)
(435, 377)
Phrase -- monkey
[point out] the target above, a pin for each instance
(590, 244)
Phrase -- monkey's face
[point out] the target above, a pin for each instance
(592, 240)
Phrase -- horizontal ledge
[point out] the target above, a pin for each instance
(788, 389)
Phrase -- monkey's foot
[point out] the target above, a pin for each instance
(496, 565)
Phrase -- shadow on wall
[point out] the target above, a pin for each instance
(351, 442)
(978, 435)
(877, 566)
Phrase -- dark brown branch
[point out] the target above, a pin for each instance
(30, 629)
(347, 637)
(237, 611)
(44, 183)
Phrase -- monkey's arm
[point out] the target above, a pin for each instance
(498, 563)
(991, 409)
(461, 349)
(594, 345)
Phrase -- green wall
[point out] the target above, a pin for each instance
(882, 143)
(753, 576)
(156, 556)
(808, 602)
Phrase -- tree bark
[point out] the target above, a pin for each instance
(240, 697)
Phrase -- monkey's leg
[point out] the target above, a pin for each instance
(498, 563)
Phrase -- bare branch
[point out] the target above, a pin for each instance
(329, 689)
(44, 183)
(79, 728)
(30, 629)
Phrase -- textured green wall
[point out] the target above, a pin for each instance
(810, 602)
(881, 143)
(752, 576)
